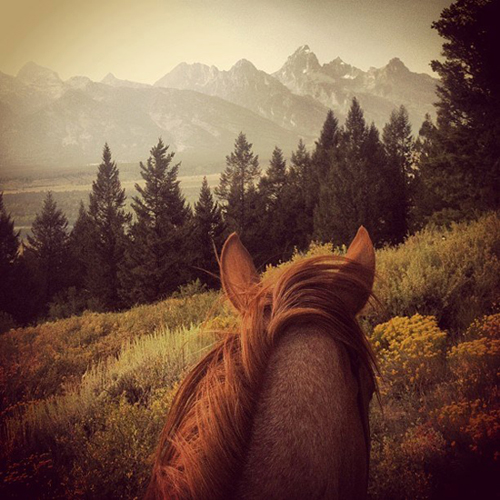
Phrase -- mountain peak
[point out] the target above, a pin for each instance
(34, 73)
(109, 79)
(244, 64)
(303, 49)
(301, 61)
(396, 64)
(112, 81)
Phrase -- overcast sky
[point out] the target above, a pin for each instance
(142, 40)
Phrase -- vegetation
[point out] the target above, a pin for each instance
(105, 239)
(84, 398)
(459, 161)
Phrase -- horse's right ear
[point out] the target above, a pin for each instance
(361, 252)
(238, 273)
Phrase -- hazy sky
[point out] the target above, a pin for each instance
(142, 40)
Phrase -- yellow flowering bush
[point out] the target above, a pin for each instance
(487, 326)
(410, 352)
(471, 424)
(475, 363)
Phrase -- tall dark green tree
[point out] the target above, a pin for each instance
(81, 246)
(352, 195)
(48, 246)
(236, 188)
(466, 165)
(400, 176)
(9, 256)
(208, 235)
(433, 198)
(275, 177)
(108, 219)
(299, 201)
(274, 225)
(326, 146)
(327, 142)
(159, 255)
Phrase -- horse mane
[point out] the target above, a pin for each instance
(203, 445)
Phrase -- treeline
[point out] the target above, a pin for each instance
(112, 259)
(391, 183)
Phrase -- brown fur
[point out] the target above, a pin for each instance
(279, 409)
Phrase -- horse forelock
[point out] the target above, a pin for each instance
(204, 442)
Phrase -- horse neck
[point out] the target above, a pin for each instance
(308, 435)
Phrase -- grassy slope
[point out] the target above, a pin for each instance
(83, 399)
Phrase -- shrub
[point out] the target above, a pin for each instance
(453, 275)
(410, 352)
(401, 465)
(474, 362)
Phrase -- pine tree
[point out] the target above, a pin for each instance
(208, 234)
(466, 169)
(108, 220)
(275, 178)
(439, 186)
(328, 141)
(352, 195)
(297, 196)
(48, 247)
(325, 147)
(81, 240)
(400, 175)
(159, 254)
(236, 185)
(9, 248)
(272, 228)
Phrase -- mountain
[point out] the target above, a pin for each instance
(253, 89)
(111, 80)
(46, 121)
(197, 109)
(379, 91)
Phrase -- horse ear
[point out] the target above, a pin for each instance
(238, 273)
(361, 252)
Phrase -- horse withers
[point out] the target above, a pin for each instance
(278, 409)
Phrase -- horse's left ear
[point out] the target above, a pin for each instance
(361, 251)
(238, 273)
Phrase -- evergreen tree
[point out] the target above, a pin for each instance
(208, 234)
(352, 195)
(439, 187)
(466, 169)
(48, 247)
(108, 220)
(81, 241)
(400, 175)
(272, 227)
(236, 186)
(296, 197)
(321, 160)
(9, 248)
(328, 141)
(275, 178)
(159, 253)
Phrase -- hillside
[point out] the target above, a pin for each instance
(83, 399)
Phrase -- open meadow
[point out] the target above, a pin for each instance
(23, 196)
(83, 399)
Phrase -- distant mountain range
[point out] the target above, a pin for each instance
(197, 109)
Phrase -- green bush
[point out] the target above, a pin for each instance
(453, 274)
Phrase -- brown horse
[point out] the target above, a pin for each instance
(278, 410)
